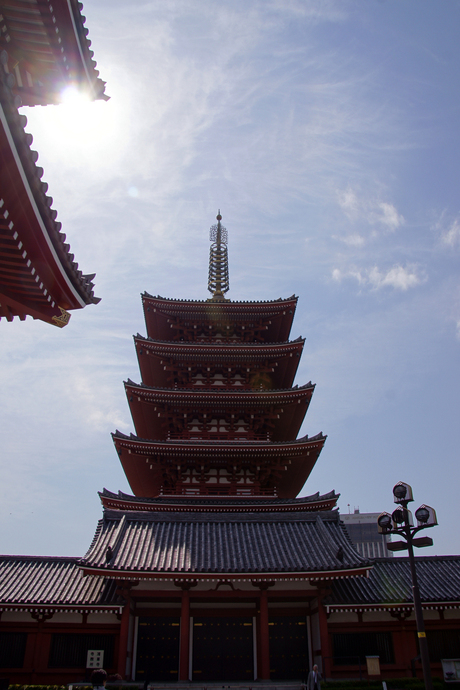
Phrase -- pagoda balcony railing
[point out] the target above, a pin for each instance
(213, 490)
(237, 335)
(219, 384)
(217, 436)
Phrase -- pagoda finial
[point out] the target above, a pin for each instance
(218, 282)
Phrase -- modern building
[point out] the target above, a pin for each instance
(213, 569)
(363, 532)
(43, 49)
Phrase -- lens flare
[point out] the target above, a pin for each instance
(73, 96)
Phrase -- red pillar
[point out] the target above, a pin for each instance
(324, 635)
(184, 636)
(41, 649)
(124, 636)
(264, 671)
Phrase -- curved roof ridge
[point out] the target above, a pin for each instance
(54, 559)
(172, 300)
(207, 343)
(95, 538)
(227, 444)
(219, 391)
(87, 54)
(211, 500)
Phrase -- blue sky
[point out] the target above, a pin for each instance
(327, 133)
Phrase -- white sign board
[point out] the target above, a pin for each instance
(95, 658)
(451, 670)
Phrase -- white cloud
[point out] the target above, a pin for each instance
(389, 216)
(353, 240)
(369, 210)
(348, 202)
(451, 236)
(448, 229)
(315, 10)
(397, 277)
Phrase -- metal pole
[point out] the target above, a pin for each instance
(421, 634)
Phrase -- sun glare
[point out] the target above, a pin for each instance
(79, 116)
(77, 132)
(73, 96)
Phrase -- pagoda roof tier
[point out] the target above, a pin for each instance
(194, 546)
(47, 49)
(282, 468)
(216, 413)
(219, 504)
(44, 583)
(38, 274)
(168, 319)
(273, 364)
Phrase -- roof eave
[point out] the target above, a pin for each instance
(60, 608)
(316, 576)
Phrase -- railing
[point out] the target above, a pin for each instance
(209, 491)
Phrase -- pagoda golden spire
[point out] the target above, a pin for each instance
(218, 281)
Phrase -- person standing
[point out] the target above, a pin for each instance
(99, 679)
(314, 679)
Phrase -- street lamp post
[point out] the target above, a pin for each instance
(400, 522)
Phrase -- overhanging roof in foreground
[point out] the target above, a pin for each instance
(48, 49)
(389, 585)
(224, 545)
(32, 583)
(39, 276)
(43, 49)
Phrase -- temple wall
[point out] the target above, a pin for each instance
(343, 617)
(305, 614)
(451, 614)
(38, 649)
(74, 618)
(393, 639)
(17, 617)
(376, 616)
(430, 615)
(102, 618)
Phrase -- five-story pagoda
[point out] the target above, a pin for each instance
(216, 413)
(221, 568)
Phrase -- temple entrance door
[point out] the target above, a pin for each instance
(223, 649)
(157, 657)
(288, 648)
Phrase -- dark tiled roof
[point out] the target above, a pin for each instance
(196, 543)
(247, 504)
(35, 580)
(389, 582)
